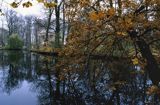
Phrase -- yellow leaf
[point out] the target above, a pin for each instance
(14, 4)
(135, 61)
(121, 34)
(152, 90)
(40, 1)
(50, 5)
(27, 4)
(128, 22)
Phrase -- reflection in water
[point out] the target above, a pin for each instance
(31, 79)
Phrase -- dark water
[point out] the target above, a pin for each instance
(31, 79)
(23, 79)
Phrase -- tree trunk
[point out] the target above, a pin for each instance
(48, 24)
(152, 66)
(57, 31)
(64, 23)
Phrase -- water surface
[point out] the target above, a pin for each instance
(31, 79)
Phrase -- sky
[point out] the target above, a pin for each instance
(34, 10)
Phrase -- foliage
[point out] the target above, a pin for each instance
(46, 47)
(152, 90)
(99, 28)
(14, 42)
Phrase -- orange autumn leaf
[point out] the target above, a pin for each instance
(96, 15)
(93, 16)
(111, 12)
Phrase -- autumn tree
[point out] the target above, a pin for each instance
(109, 28)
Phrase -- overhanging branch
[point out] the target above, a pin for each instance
(153, 41)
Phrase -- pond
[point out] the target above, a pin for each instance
(31, 79)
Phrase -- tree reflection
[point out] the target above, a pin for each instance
(14, 75)
(44, 85)
(106, 82)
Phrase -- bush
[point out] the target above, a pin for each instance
(14, 42)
